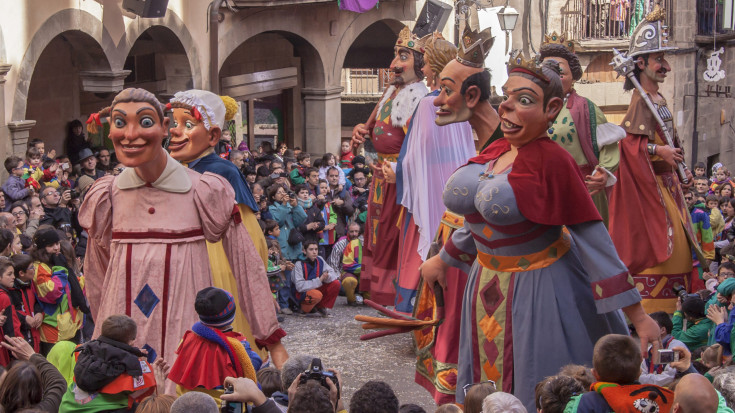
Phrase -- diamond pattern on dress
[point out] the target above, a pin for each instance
(146, 300)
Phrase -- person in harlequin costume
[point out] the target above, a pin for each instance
(649, 219)
(581, 128)
(386, 130)
(148, 228)
(199, 116)
(545, 281)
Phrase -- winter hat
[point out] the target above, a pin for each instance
(215, 306)
(84, 182)
(727, 287)
(45, 237)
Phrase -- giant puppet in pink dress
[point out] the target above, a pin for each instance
(148, 227)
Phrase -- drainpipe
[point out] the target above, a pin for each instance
(695, 134)
(214, 46)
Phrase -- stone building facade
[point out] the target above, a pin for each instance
(61, 61)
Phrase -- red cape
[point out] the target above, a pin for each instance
(201, 362)
(547, 183)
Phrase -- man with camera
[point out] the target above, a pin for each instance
(56, 212)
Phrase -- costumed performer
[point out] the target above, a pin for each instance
(581, 128)
(146, 253)
(199, 117)
(649, 219)
(545, 279)
(386, 130)
(429, 155)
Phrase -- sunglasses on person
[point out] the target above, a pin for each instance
(466, 388)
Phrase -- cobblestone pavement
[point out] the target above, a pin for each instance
(336, 340)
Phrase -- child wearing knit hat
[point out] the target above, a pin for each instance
(211, 350)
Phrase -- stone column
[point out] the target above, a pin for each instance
(6, 148)
(19, 132)
(322, 119)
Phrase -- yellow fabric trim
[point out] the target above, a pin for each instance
(250, 222)
(389, 157)
(534, 261)
(247, 365)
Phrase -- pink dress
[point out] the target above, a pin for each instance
(147, 256)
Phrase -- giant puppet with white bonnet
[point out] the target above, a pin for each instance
(198, 119)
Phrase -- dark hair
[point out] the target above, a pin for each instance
(269, 379)
(374, 397)
(628, 85)
(11, 162)
(22, 387)
(553, 87)
(311, 397)
(263, 171)
(299, 188)
(120, 328)
(418, 64)
(332, 168)
(20, 204)
(558, 50)
(303, 155)
(617, 359)
(713, 197)
(663, 320)
(475, 395)
(32, 152)
(582, 374)
(729, 265)
(21, 262)
(272, 191)
(327, 156)
(6, 238)
(309, 170)
(479, 79)
(270, 225)
(306, 243)
(411, 408)
(693, 306)
(48, 163)
(553, 393)
(249, 170)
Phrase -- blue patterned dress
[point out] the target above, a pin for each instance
(538, 296)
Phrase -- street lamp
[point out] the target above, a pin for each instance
(508, 17)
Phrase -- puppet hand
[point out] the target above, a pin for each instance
(434, 271)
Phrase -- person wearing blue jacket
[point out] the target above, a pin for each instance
(289, 215)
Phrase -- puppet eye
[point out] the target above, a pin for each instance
(119, 123)
(147, 122)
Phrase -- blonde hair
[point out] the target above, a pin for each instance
(438, 54)
(156, 404)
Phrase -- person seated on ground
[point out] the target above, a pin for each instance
(374, 397)
(352, 264)
(211, 350)
(448, 408)
(500, 402)
(195, 402)
(156, 403)
(32, 382)
(475, 393)
(315, 284)
(269, 380)
(660, 374)
(553, 393)
(110, 373)
(697, 325)
(616, 366)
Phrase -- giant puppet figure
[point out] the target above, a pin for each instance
(544, 279)
(581, 128)
(649, 219)
(386, 129)
(198, 119)
(148, 228)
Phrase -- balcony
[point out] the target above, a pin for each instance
(600, 25)
(715, 18)
(364, 83)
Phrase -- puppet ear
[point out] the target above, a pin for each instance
(214, 135)
(472, 96)
(553, 107)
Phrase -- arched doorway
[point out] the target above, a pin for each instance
(270, 74)
(62, 87)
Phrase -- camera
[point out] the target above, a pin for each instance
(665, 356)
(315, 371)
(291, 194)
(680, 291)
(230, 407)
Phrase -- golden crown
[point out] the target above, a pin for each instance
(518, 63)
(474, 47)
(555, 38)
(409, 40)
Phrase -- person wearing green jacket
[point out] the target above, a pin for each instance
(698, 326)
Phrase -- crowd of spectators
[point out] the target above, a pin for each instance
(312, 210)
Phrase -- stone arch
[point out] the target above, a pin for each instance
(3, 52)
(173, 23)
(314, 75)
(158, 62)
(70, 21)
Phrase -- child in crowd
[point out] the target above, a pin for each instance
(315, 284)
(700, 169)
(660, 374)
(272, 230)
(329, 160)
(297, 174)
(211, 351)
(716, 220)
(41, 147)
(726, 270)
(721, 318)
(8, 315)
(15, 187)
(345, 159)
(49, 177)
(616, 366)
(6, 243)
(475, 393)
(269, 379)
(32, 169)
(110, 373)
(697, 325)
(30, 313)
(553, 393)
(720, 176)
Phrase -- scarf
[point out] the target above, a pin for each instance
(235, 349)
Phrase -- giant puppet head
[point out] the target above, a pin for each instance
(199, 117)
(437, 53)
(557, 47)
(648, 44)
(409, 59)
(464, 82)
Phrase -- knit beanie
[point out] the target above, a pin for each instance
(215, 306)
(727, 287)
(45, 237)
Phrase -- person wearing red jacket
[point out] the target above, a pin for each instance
(8, 316)
(29, 310)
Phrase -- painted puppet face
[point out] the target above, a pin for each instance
(522, 114)
(656, 68)
(189, 137)
(567, 81)
(137, 132)
(453, 105)
(402, 67)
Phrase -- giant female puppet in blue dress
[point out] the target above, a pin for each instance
(544, 281)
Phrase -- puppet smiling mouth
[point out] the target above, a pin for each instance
(133, 148)
(510, 126)
(443, 112)
(176, 145)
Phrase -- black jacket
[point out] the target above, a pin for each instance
(101, 361)
(313, 214)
